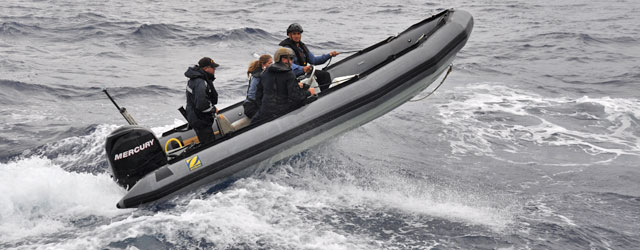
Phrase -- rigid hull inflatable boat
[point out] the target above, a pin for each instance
(366, 85)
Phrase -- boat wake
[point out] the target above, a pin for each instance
(51, 200)
(495, 120)
(328, 196)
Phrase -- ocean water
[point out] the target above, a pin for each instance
(533, 141)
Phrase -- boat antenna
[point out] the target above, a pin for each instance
(123, 110)
(434, 90)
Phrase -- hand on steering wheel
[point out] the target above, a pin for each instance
(307, 69)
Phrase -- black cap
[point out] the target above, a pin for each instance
(207, 62)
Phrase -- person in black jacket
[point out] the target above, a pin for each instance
(278, 88)
(202, 98)
(304, 58)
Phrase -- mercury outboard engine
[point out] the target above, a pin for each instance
(133, 152)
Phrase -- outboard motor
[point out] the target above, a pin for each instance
(133, 152)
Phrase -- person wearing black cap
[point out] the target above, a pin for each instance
(304, 58)
(202, 98)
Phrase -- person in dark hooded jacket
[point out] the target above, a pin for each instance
(202, 98)
(278, 88)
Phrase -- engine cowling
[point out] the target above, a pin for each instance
(133, 152)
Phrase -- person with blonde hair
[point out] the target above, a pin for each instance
(251, 104)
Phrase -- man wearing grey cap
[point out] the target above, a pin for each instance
(202, 98)
(279, 89)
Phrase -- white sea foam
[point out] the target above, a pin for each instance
(379, 187)
(39, 198)
(387, 191)
(270, 210)
(491, 114)
(80, 153)
(253, 213)
(542, 211)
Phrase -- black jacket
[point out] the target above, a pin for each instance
(302, 52)
(279, 91)
(201, 97)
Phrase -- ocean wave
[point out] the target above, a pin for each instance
(76, 149)
(394, 10)
(72, 148)
(15, 92)
(589, 39)
(66, 32)
(158, 31)
(93, 29)
(589, 130)
(40, 199)
(545, 217)
(615, 79)
(621, 40)
(608, 82)
(112, 55)
(7, 142)
(561, 35)
(114, 25)
(59, 31)
(7, 85)
(16, 28)
(355, 180)
(147, 90)
(90, 15)
(242, 34)
(326, 45)
(228, 12)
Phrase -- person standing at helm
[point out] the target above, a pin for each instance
(304, 58)
(278, 88)
(202, 98)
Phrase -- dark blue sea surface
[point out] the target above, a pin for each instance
(533, 141)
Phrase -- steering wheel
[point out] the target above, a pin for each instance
(313, 72)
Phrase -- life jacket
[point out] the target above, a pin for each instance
(301, 51)
(255, 74)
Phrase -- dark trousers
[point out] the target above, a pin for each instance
(324, 79)
(205, 135)
(250, 108)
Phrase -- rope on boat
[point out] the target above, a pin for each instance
(434, 90)
(341, 52)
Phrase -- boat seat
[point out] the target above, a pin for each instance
(224, 125)
(241, 123)
(342, 79)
